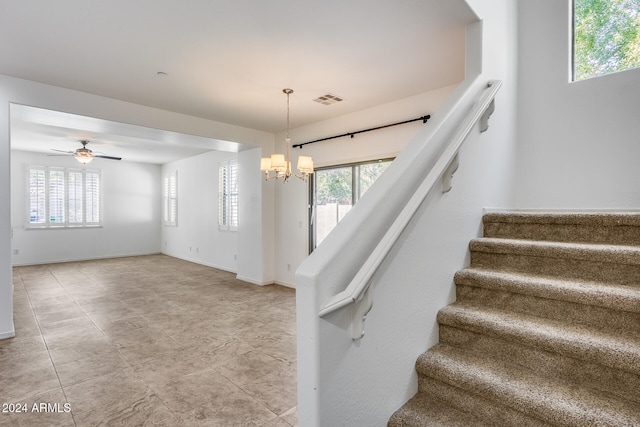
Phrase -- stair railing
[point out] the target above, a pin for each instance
(357, 292)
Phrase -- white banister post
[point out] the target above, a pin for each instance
(360, 311)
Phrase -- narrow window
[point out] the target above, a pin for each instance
(228, 196)
(170, 200)
(37, 196)
(334, 191)
(76, 197)
(606, 37)
(92, 198)
(56, 197)
(60, 197)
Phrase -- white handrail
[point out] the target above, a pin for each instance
(360, 283)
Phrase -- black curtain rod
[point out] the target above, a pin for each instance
(351, 134)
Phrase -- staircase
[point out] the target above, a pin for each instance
(545, 330)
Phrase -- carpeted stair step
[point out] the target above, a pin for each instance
(615, 228)
(545, 330)
(425, 411)
(620, 351)
(617, 382)
(546, 399)
(606, 263)
(487, 410)
(602, 306)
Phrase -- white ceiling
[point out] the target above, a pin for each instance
(227, 60)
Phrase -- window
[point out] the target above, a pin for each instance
(335, 190)
(61, 197)
(606, 37)
(228, 196)
(170, 200)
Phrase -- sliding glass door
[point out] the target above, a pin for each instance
(334, 191)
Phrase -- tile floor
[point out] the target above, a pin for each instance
(151, 341)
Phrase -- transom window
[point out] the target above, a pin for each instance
(334, 191)
(606, 37)
(63, 197)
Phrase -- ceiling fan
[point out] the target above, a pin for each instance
(85, 155)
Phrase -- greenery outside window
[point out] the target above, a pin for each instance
(334, 190)
(63, 197)
(606, 37)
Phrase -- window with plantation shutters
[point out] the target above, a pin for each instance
(60, 197)
(92, 198)
(170, 200)
(228, 196)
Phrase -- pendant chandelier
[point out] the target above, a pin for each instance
(279, 165)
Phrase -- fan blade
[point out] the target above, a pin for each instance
(108, 157)
(62, 151)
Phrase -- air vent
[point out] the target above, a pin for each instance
(328, 99)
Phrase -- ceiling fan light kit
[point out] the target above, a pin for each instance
(85, 155)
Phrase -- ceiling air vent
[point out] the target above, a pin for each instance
(328, 99)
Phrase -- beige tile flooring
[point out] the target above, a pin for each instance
(149, 340)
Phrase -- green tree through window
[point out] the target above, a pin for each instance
(606, 37)
(335, 190)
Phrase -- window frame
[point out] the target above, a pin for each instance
(355, 190)
(572, 51)
(170, 199)
(64, 209)
(228, 196)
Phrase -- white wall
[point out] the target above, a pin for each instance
(19, 91)
(131, 214)
(255, 221)
(344, 383)
(7, 329)
(578, 142)
(292, 198)
(197, 237)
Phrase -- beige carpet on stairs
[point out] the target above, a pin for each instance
(545, 330)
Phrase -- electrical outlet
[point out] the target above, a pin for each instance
(288, 267)
(16, 252)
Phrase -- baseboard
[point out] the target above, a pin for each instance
(7, 335)
(19, 264)
(285, 284)
(207, 264)
(558, 210)
(254, 282)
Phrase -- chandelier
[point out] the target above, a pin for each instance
(279, 165)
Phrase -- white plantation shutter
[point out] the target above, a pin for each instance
(37, 196)
(60, 197)
(56, 197)
(228, 196)
(92, 198)
(76, 207)
(170, 199)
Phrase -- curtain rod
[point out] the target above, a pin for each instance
(351, 134)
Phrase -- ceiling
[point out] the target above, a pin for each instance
(228, 60)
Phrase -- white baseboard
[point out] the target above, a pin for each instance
(62, 261)
(7, 335)
(285, 284)
(217, 267)
(254, 282)
(558, 210)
